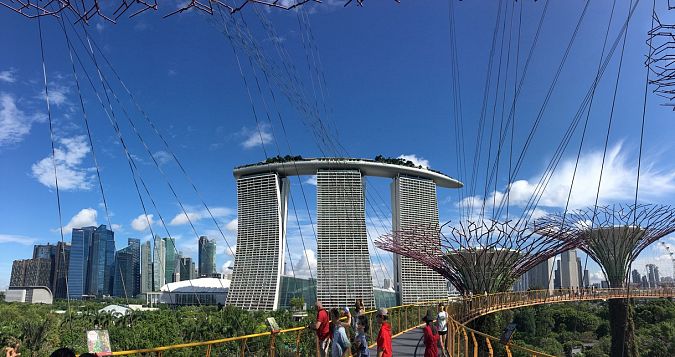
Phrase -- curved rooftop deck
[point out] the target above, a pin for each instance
(367, 167)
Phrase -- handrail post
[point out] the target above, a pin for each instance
(208, 350)
(475, 345)
(297, 343)
(489, 346)
(508, 351)
(466, 342)
(273, 337)
(242, 348)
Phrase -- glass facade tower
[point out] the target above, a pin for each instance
(207, 257)
(78, 266)
(170, 258)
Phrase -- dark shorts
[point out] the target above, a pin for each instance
(442, 333)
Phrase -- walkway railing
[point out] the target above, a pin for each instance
(461, 340)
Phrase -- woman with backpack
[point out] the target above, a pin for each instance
(430, 336)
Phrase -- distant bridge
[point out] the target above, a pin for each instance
(404, 320)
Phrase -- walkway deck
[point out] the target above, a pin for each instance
(405, 344)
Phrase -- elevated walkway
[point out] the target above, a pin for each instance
(405, 320)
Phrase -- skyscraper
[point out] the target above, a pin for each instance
(569, 274)
(636, 278)
(49, 252)
(123, 276)
(146, 267)
(187, 267)
(541, 276)
(653, 275)
(207, 257)
(169, 258)
(343, 261)
(258, 263)
(414, 205)
(30, 272)
(61, 260)
(78, 265)
(101, 262)
(158, 264)
(126, 276)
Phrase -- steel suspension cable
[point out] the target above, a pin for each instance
(56, 177)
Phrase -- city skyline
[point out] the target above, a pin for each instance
(400, 101)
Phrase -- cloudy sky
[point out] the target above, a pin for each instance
(327, 81)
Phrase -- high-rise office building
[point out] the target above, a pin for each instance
(146, 267)
(61, 261)
(540, 277)
(187, 268)
(207, 256)
(343, 261)
(414, 205)
(653, 275)
(636, 278)
(49, 252)
(170, 258)
(78, 265)
(31, 272)
(258, 264)
(123, 274)
(126, 276)
(158, 264)
(101, 262)
(569, 270)
(556, 277)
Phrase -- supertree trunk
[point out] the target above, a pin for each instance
(622, 328)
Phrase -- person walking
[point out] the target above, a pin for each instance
(322, 328)
(442, 323)
(430, 336)
(384, 337)
(341, 345)
(360, 339)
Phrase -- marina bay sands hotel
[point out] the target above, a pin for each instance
(343, 259)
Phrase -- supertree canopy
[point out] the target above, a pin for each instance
(613, 235)
(476, 256)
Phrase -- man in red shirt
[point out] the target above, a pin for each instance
(322, 328)
(384, 337)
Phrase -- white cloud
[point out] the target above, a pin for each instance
(58, 94)
(618, 182)
(140, 223)
(14, 238)
(8, 76)
(99, 27)
(196, 215)
(162, 157)
(116, 227)
(311, 180)
(225, 268)
(256, 137)
(418, 161)
(85, 218)
(68, 157)
(232, 225)
(15, 124)
(305, 264)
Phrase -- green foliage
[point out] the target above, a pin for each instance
(42, 329)
(554, 328)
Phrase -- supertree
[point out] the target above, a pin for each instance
(477, 257)
(613, 236)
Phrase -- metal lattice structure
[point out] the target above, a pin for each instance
(477, 256)
(661, 59)
(85, 10)
(613, 235)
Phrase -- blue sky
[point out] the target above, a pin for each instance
(380, 79)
